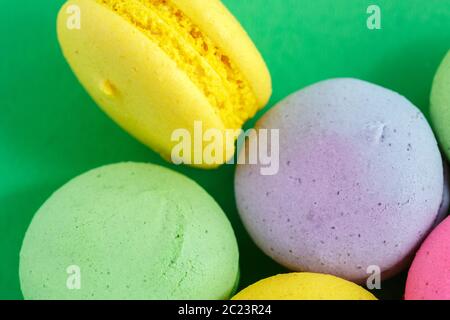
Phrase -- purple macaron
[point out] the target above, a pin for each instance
(360, 181)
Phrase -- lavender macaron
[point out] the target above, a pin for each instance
(445, 204)
(360, 181)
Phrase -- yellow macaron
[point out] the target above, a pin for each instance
(304, 286)
(155, 66)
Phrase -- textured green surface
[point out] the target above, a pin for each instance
(440, 104)
(51, 131)
(136, 231)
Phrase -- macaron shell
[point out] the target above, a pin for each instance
(440, 104)
(445, 204)
(304, 286)
(429, 275)
(136, 231)
(223, 28)
(360, 181)
(133, 80)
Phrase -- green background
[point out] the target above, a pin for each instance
(51, 131)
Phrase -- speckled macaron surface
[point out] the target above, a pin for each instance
(360, 181)
(429, 275)
(129, 231)
(445, 204)
(440, 104)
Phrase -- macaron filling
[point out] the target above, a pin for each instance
(212, 71)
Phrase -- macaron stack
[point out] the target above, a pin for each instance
(155, 66)
(361, 180)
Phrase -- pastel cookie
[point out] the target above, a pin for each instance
(429, 275)
(129, 231)
(360, 182)
(156, 66)
(304, 286)
(445, 204)
(440, 104)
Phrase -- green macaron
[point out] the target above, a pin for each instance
(129, 231)
(440, 104)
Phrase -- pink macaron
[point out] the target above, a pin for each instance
(429, 275)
